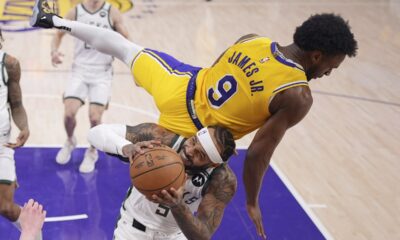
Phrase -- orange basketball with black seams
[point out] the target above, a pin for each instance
(156, 169)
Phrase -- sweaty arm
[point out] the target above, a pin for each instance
(288, 108)
(15, 99)
(211, 209)
(118, 22)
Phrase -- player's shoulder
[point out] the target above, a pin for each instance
(253, 39)
(223, 177)
(10, 61)
(114, 11)
(296, 101)
(72, 13)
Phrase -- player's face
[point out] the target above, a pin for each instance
(323, 65)
(194, 155)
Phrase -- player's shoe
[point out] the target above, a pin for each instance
(64, 155)
(42, 15)
(89, 161)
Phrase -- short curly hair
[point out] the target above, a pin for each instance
(328, 33)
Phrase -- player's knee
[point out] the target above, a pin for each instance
(69, 115)
(95, 119)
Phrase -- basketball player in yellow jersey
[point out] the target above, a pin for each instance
(255, 84)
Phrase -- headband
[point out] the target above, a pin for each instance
(204, 137)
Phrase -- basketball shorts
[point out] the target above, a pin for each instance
(93, 84)
(7, 162)
(166, 79)
(129, 229)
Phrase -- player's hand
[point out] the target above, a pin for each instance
(31, 218)
(171, 197)
(56, 58)
(255, 215)
(21, 139)
(131, 150)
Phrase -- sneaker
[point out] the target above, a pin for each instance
(90, 159)
(42, 15)
(64, 155)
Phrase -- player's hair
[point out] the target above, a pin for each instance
(225, 139)
(328, 33)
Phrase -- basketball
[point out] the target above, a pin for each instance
(156, 169)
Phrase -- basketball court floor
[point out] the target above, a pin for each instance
(334, 175)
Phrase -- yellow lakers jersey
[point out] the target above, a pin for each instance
(237, 90)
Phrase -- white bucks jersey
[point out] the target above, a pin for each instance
(4, 109)
(85, 54)
(159, 217)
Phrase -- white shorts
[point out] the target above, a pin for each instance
(7, 162)
(126, 231)
(92, 83)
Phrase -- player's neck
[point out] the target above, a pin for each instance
(294, 53)
(93, 5)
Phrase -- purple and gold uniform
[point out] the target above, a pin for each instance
(234, 93)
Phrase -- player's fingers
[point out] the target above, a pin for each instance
(155, 142)
(35, 205)
(156, 199)
(30, 202)
(260, 228)
(138, 149)
(44, 213)
(130, 158)
(10, 145)
(174, 193)
(40, 208)
(166, 195)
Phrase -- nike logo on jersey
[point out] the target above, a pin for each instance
(264, 60)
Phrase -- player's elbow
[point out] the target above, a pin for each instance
(96, 137)
(257, 159)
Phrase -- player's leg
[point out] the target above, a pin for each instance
(91, 156)
(71, 107)
(75, 93)
(99, 95)
(8, 208)
(105, 41)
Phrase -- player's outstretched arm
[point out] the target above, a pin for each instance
(127, 141)
(211, 209)
(287, 109)
(15, 99)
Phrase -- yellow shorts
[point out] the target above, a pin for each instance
(166, 79)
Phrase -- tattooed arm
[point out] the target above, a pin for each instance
(15, 99)
(149, 131)
(126, 141)
(211, 209)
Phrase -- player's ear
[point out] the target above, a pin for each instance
(316, 56)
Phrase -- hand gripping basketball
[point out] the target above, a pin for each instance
(156, 169)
